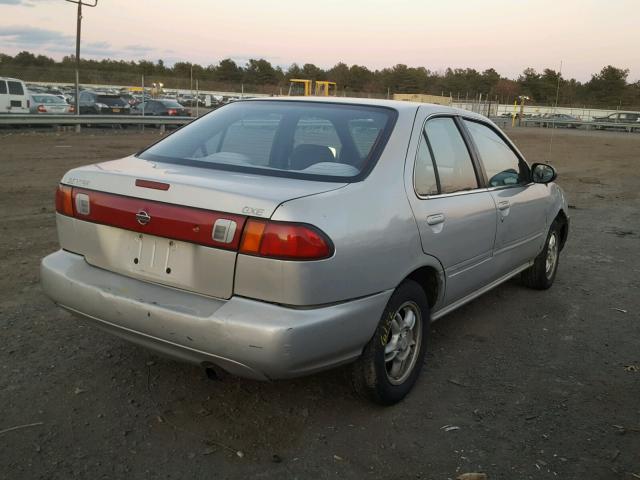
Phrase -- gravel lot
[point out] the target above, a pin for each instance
(540, 384)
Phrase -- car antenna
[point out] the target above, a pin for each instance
(555, 108)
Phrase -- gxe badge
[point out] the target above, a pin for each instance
(143, 217)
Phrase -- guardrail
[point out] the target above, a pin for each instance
(545, 122)
(78, 120)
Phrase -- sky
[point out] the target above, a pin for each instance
(508, 35)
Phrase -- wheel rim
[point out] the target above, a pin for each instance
(552, 254)
(401, 350)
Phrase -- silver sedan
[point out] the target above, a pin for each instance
(274, 238)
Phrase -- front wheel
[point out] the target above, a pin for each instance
(543, 271)
(391, 361)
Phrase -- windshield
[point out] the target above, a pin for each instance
(295, 139)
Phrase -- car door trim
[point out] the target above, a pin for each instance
(475, 294)
(479, 173)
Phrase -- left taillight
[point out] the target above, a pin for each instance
(172, 111)
(64, 200)
(285, 241)
(72, 109)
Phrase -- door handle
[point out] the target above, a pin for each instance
(503, 205)
(435, 219)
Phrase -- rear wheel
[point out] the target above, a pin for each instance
(392, 360)
(543, 271)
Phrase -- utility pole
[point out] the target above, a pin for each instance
(80, 3)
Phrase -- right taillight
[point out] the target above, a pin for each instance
(64, 200)
(285, 241)
(42, 109)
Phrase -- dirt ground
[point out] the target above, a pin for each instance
(540, 384)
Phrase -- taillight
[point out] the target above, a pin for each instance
(286, 241)
(172, 111)
(251, 236)
(72, 109)
(42, 109)
(64, 200)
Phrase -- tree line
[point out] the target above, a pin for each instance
(608, 88)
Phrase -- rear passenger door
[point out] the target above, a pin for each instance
(455, 214)
(522, 205)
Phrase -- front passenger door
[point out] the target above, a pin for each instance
(522, 206)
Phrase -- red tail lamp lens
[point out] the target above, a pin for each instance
(64, 200)
(286, 241)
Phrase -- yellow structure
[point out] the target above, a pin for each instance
(304, 88)
(326, 89)
(422, 98)
(299, 87)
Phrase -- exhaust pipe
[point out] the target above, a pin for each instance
(214, 372)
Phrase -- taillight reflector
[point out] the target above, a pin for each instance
(64, 200)
(286, 241)
(152, 184)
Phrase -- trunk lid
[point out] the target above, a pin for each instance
(188, 242)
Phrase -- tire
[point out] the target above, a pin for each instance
(542, 273)
(388, 382)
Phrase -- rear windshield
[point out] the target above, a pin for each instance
(294, 139)
(170, 103)
(110, 100)
(15, 88)
(48, 99)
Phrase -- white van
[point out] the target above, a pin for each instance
(14, 97)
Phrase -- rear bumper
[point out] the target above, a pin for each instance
(245, 337)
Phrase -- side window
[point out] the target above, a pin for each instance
(15, 88)
(424, 174)
(452, 159)
(502, 165)
(3, 87)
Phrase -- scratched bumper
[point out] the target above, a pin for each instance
(245, 337)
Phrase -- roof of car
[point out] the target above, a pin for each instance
(401, 106)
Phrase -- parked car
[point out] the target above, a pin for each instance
(273, 238)
(618, 118)
(50, 104)
(161, 107)
(190, 100)
(14, 97)
(97, 103)
(561, 120)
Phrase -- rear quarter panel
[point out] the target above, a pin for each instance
(371, 225)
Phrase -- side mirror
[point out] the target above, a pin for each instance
(543, 173)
